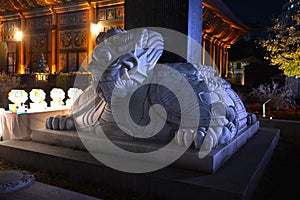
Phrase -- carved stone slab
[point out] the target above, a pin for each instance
(190, 160)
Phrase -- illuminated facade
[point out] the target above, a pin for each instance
(64, 31)
(220, 30)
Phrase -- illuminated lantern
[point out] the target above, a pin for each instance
(57, 95)
(73, 94)
(37, 96)
(18, 97)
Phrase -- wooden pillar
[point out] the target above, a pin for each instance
(21, 70)
(203, 50)
(213, 60)
(222, 71)
(1, 30)
(226, 60)
(184, 16)
(53, 43)
(207, 51)
(92, 38)
(216, 66)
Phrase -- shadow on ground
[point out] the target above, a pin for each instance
(281, 177)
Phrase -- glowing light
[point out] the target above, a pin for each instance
(22, 69)
(41, 76)
(18, 96)
(53, 69)
(57, 95)
(73, 94)
(37, 96)
(18, 35)
(96, 28)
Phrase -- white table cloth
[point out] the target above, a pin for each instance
(20, 126)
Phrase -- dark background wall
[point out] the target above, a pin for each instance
(184, 16)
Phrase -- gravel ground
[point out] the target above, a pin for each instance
(278, 182)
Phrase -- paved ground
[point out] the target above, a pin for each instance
(282, 176)
(280, 180)
(40, 191)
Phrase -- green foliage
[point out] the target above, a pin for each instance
(283, 44)
(62, 81)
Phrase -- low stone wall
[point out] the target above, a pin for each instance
(288, 128)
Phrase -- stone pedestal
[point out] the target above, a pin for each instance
(189, 160)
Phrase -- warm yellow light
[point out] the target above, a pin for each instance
(53, 69)
(41, 76)
(18, 35)
(96, 28)
(22, 69)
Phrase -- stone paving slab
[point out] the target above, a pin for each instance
(41, 191)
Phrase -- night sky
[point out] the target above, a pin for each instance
(256, 12)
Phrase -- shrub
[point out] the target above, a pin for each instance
(281, 97)
(62, 81)
(7, 83)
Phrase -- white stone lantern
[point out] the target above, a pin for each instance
(73, 94)
(18, 98)
(57, 95)
(37, 96)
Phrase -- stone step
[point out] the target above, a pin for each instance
(189, 160)
(68, 139)
(236, 179)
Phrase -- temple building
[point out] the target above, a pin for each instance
(64, 31)
(220, 29)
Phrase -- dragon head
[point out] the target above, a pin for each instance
(119, 55)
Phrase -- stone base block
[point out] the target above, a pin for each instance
(189, 160)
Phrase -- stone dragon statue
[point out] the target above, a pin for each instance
(122, 61)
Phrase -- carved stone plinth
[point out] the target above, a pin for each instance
(189, 160)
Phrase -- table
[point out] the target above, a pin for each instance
(20, 126)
